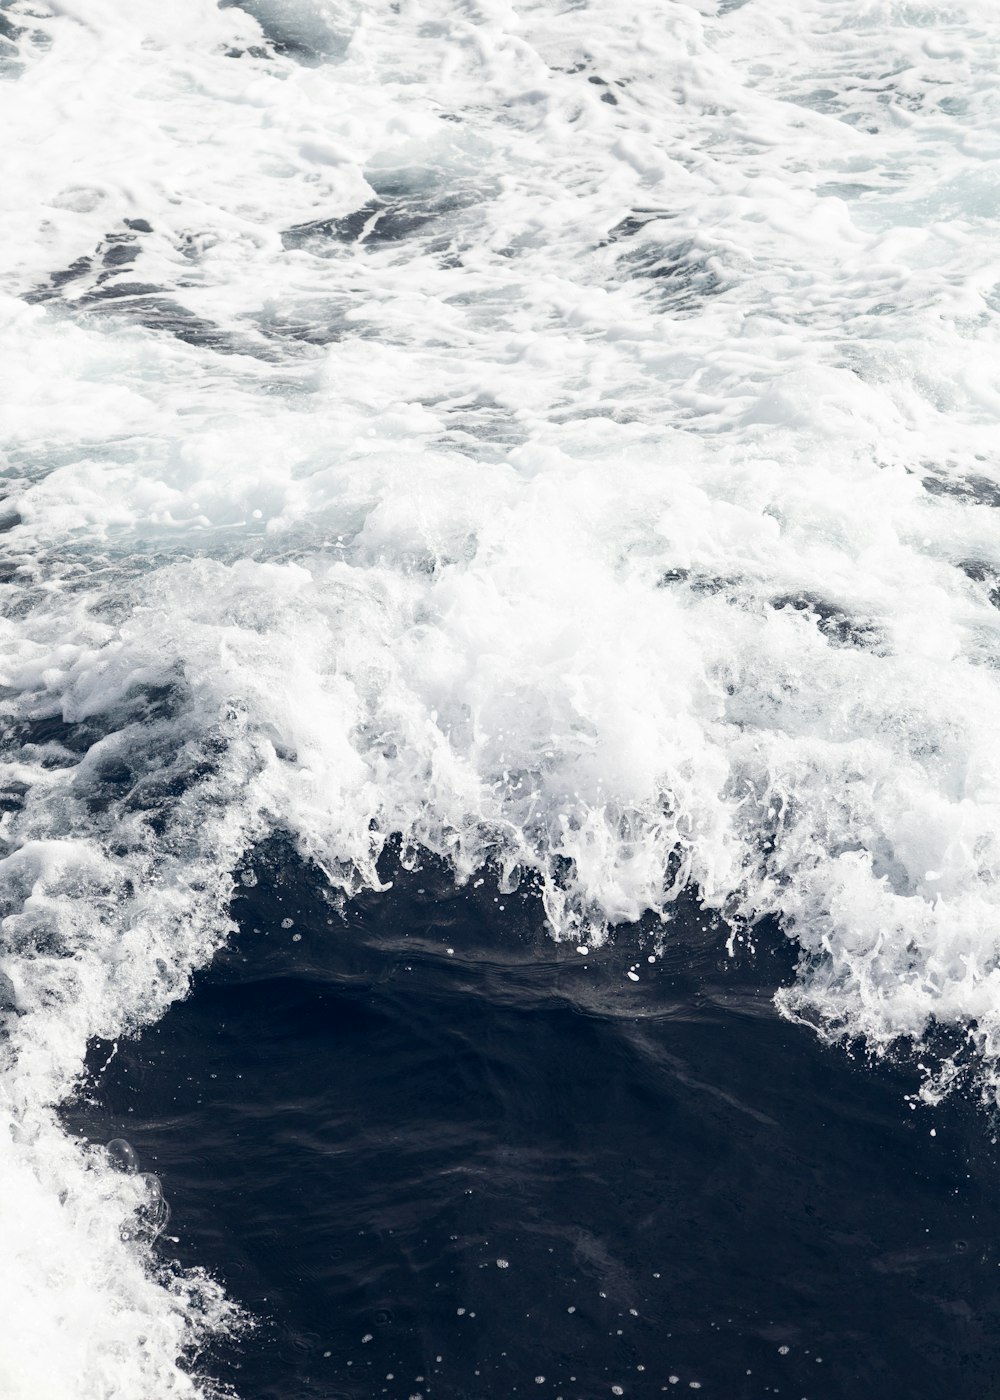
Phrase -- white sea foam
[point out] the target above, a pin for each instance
(565, 436)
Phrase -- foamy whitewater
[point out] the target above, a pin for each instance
(564, 434)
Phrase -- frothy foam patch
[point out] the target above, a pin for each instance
(89, 1314)
(564, 440)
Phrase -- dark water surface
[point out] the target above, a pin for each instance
(438, 1155)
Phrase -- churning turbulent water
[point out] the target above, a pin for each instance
(563, 435)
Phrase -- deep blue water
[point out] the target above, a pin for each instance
(357, 1118)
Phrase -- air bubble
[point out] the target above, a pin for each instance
(123, 1155)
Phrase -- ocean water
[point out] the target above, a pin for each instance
(499, 698)
(441, 1155)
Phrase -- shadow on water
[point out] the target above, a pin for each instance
(438, 1154)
